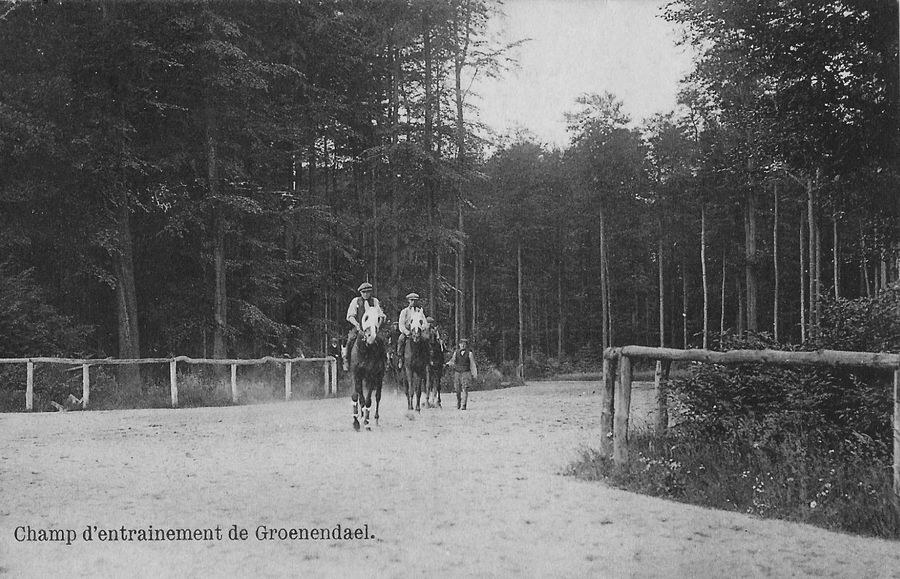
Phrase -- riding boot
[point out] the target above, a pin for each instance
(346, 363)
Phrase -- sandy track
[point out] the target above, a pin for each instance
(444, 493)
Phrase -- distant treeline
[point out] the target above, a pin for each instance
(216, 178)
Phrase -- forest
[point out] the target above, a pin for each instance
(215, 179)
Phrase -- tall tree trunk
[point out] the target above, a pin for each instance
(473, 334)
(662, 294)
(521, 369)
(722, 313)
(560, 317)
(705, 279)
(462, 21)
(658, 375)
(684, 301)
(818, 279)
(126, 298)
(865, 263)
(606, 288)
(604, 305)
(803, 305)
(775, 297)
(392, 178)
(836, 264)
(750, 260)
(220, 299)
(429, 161)
(461, 269)
(813, 274)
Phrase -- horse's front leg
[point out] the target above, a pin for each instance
(439, 373)
(409, 388)
(355, 398)
(368, 403)
(377, 400)
(419, 381)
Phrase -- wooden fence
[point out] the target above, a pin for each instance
(616, 392)
(329, 366)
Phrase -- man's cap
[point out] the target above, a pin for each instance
(412, 296)
(463, 341)
(365, 286)
(334, 340)
(429, 319)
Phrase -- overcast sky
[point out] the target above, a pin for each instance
(582, 46)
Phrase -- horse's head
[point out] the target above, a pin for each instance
(418, 326)
(371, 322)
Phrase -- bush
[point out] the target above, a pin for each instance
(792, 477)
(800, 443)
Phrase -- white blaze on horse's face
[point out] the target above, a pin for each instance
(371, 321)
(418, 324)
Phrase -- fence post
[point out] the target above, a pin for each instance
(622, 409)
(287, 381)
(29, 386)
(173, 383)
(897, 434)
(662, 394)
(234, 392)
(85, 386)
(607, 406)
(326, 373)
(334, 382)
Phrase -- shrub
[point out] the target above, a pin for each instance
(799, 443)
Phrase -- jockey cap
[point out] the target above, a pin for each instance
(412, 296)
(365, 286)
(429, 319)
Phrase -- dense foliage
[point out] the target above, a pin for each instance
(217, 178)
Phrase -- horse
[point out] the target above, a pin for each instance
(367, 361)
(416, 354)
(435, 372)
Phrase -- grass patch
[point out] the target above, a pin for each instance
(793, 478)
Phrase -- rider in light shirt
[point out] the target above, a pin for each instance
(404, 321)
(358, 307)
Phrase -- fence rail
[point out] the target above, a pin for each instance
(329, 365)
(615, 397)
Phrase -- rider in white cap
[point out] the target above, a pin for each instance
(404, 322)
(358, 307)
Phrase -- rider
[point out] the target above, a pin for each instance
(358, 307)
(437, 334)
(405, 322)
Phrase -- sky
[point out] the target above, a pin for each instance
(576, 47)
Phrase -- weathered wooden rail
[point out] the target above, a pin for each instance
(329, 366)
(615, 397)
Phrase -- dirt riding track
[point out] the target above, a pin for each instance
(443, 494)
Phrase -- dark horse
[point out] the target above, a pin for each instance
(416, 355)
(435, 372)
(367, 360)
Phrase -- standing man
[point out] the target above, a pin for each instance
(358, 307)
(335, 350)
(464, 371)
(404, 322)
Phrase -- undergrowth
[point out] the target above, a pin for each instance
(847, 488)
